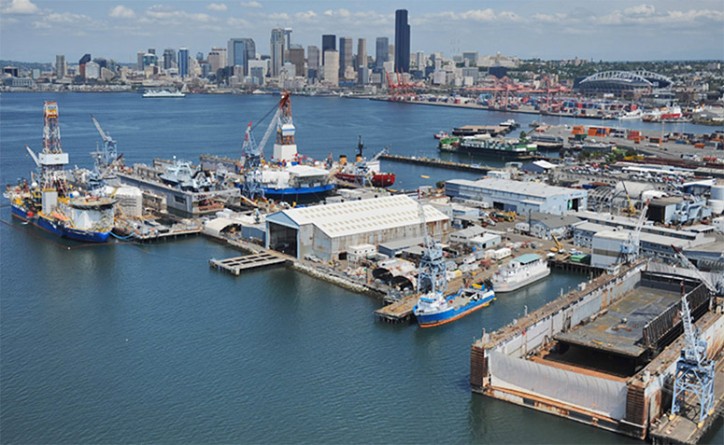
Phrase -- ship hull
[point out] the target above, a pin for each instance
(492, 154)
(291, 191)
(381, 180)
(57, 228)
(455, 313)
(508, 286)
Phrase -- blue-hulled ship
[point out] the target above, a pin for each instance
(434, 307)
(49, 204)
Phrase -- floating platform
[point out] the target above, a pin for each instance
(237, 265)
(604, 354)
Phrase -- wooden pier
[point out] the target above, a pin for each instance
(399, 311)
(239, 264)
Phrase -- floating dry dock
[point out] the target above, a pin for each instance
(604, 355)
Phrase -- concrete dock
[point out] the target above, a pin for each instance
(237, 265)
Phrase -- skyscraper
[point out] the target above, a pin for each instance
(139, 60)
(361, 53)
(81, 64)
(329, 42)
(382, 54)
(287, 39)
(313, 57)
(331, 67)
(183, 62)
(277, 51)
(169, 58)
(60, 67)
(217, 59)
(240, 52)
(402, 41)
(345, 55)
(295, 56)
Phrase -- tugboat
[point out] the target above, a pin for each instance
(48, 203)
(434, 308)
(365, 172)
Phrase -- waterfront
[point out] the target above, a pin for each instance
(121, 343)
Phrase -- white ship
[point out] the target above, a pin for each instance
(519, 272)
(636, 114)
(163, 94)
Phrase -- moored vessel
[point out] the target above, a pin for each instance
(519, 272)
(434, 310)
(498, 148)
(49, 204)
(363, 171)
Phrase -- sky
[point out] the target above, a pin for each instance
(37, 30)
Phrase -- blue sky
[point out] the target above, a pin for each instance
(37, 30)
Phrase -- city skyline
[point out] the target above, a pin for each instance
(551, 29)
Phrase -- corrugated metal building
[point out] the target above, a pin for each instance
(327, 231)
(517, 196)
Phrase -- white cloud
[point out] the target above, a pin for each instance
(121, 11)
(19, 7)
(219, 7)
(645, 10)
(251, 4)
(305, 16)
(166, 15)
(234, 21)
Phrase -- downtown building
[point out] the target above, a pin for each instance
(402, 41)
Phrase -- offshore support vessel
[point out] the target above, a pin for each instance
(284, 177)
(434, 308)
(49, 204)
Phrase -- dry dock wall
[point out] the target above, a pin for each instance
(499, 368)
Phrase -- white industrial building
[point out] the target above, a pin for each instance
(328, 231)
(518, 196)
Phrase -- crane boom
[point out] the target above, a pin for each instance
(104, 136)
(33, 155)
(688, 264)
(269, 130)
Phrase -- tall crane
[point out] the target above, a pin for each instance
(694, 372)
(431, 275)
(251, 153)
(104, 157)
(630, 247)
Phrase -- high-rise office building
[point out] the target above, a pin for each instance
(240, 52)
(81, 64)
(402, 41)
(331, 67)
(169, 58)
(217, 59)
(382, 54)
(183, 62)
(151, 50)
(60, 67)
(329, 42)
(287, 39)
(313, 57)
(139, 60)
(345, 56)
(277, 51)
(361, 53)
(150, 59)
(295, 56)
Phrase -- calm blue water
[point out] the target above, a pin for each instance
(126, 343)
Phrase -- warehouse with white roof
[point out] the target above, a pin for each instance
(518, 196)
(327, 231)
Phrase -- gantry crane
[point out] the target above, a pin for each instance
(694, 372)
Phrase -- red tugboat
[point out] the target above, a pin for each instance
(364, 172)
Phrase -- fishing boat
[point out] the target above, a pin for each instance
(440, 135)
(363, 171)
(519, 272)
(49, 204)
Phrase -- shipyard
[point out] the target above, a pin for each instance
(324, 244)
